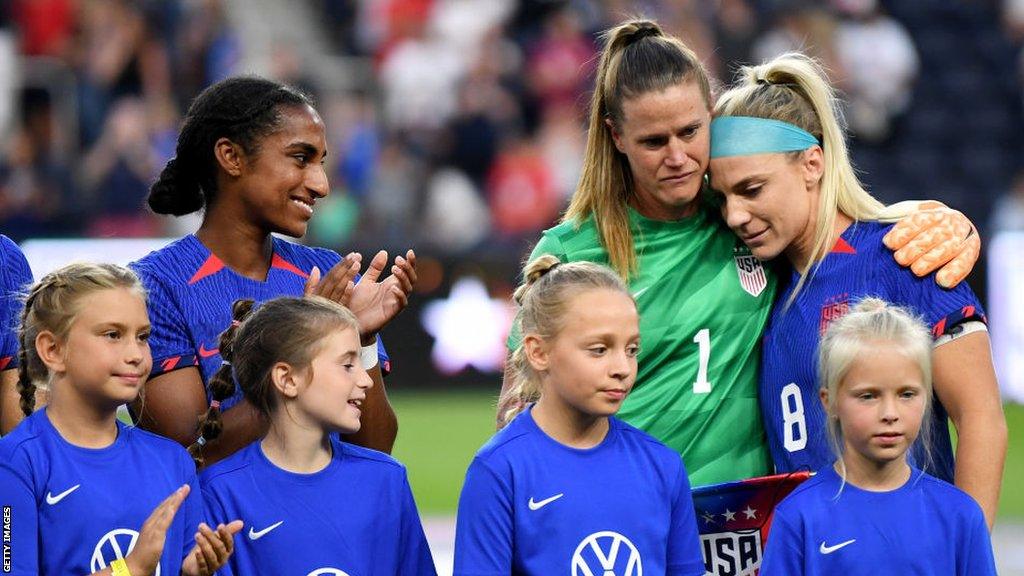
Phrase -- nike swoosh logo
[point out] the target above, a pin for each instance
(51, 499)
(254, 535)
(538, 505)
(207, 353)
(640, 291)
(830, 549)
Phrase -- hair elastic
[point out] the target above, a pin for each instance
(745, 136)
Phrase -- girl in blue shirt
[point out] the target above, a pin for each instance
(83, 493)
(872, 512)
(566, 487)
(313, 504)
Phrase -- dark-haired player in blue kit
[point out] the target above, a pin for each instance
(313, 505)
(15, 277)
(779, 164)
(250, 155)
(869, 511)
(566, 488)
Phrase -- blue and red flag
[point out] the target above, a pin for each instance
(733, 519)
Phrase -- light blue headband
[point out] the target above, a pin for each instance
(744, 136)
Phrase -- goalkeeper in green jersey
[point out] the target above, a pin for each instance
(703, 298)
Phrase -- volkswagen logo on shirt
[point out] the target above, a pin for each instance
(606, 553)
(327, 572)
(114, 545)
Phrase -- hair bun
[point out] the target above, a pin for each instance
(174, 193)
(645, 28)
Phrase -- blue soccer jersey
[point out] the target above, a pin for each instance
(191, 292)
(859, 266)
(74, 510)
(924, 527)
(531, 505)
(15, 276)
(356, 516)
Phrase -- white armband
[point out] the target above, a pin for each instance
(959, 331)
(368, 356)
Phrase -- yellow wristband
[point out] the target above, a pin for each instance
(120, 568)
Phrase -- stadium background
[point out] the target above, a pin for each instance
(456, 127)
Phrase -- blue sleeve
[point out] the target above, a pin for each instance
(685, 557)
(15, 277)
(415, 553)
(20, 511)
(976, 556)
(192, 511)
(483, 525)
(940, 308)
(215, 514)
(169, 342)
(783, 553)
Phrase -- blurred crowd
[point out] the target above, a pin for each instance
(461, 128)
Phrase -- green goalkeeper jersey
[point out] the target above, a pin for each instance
(704, 301)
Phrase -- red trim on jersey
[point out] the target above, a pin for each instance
(283, 264)
(843, 247)
(169, 364)
(5, 361)
(939, 329)
(209, 268)
(968, 311)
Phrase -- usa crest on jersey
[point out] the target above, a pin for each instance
(750, 271)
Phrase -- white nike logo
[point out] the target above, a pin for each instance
(640, 291)
(51, 499)
(538, 505)
(254, 535)
(830, 549)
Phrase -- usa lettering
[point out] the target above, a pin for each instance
(731, 553)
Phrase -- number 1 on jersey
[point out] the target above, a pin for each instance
(703, 341)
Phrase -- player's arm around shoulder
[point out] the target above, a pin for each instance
(965, 383)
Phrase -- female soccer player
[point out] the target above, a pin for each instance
(566, 484)
(703, 299)
(15, 277)
(87, 494)
(873, 512)
(250, 155)
(314, 505)
(778, 158)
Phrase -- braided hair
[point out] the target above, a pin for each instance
(52, 305)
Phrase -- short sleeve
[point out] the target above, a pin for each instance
(483, 525)
(169, 342)
(413, 549)
(21, 515)
(783, 554)
(940, 308)
(215, 514)
(192, 510)
(976, 557)
(685, 557)
(547, 244)
(15, 278)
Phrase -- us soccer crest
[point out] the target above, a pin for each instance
(750, 271)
